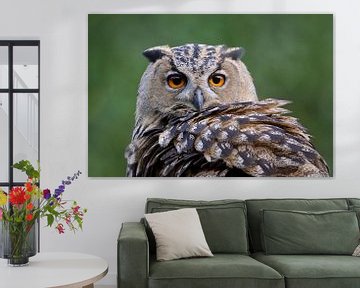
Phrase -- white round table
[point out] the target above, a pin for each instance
(45, 270)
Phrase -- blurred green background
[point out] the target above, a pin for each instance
(289, 57)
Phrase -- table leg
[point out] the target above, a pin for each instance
(89, 286)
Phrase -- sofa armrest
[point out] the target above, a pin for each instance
(133, 256)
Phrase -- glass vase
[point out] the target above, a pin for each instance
(18, 242)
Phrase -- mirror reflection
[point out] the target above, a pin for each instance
(26, 67)
(4, 67)
(26, 130)
(4, 140)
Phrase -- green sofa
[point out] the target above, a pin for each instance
(244, 238)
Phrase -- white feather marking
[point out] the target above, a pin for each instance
(226, 145)
(207, 134)
(239, 161)
(264, 137)
(164, 138)
(292, 141)
(217, 152)
(242, 137)
(180, 145)
(203, 122)
(223, 135)
(199, 145)
(217, 126)
(259, 170)
(274, 132)
(306, 149)
(193, 128)
(131, 158)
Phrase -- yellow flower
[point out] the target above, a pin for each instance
(3, 198)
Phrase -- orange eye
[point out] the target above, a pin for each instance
(217, 80)
(176, 81)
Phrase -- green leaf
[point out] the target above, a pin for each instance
(79, 221)
(22, 164)
(28, 168)
(50, 219)
(53, 211)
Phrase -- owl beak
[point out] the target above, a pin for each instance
(198, 99)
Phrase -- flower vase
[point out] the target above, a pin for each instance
(18, 242)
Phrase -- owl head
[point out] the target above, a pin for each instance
(194, 76)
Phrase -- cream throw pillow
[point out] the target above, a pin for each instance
(178, 234)
(357, 251)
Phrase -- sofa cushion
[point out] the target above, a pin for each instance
(222, 270)
(356, 209)
(223, 221)
(297, 232)
(178, 234)
(313, 271)
(254, 216)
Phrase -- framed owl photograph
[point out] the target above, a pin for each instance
(210, 95)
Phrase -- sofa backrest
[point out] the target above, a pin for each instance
(353, 202)
(354, 205)
(256, 205)
(223, 221)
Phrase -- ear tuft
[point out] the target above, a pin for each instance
(235, 53)
(155, 53)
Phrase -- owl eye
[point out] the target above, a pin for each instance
(217, 80)
(176, 81)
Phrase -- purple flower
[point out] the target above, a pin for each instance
(58, 192)
(68, 181)
(46, 194)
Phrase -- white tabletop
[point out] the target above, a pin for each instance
(54, 270)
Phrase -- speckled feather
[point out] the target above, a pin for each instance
(243, 139)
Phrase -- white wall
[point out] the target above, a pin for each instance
(62, 28)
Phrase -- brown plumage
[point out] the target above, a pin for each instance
(241, 139)
(198, 114)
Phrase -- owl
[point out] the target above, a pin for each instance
(198, 114)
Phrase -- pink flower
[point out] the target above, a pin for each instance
(60, 228)
(68, 219)
(76, 209)
(1, 212)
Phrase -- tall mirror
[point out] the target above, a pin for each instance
(19, 108)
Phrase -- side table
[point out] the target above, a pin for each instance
(50, 270)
